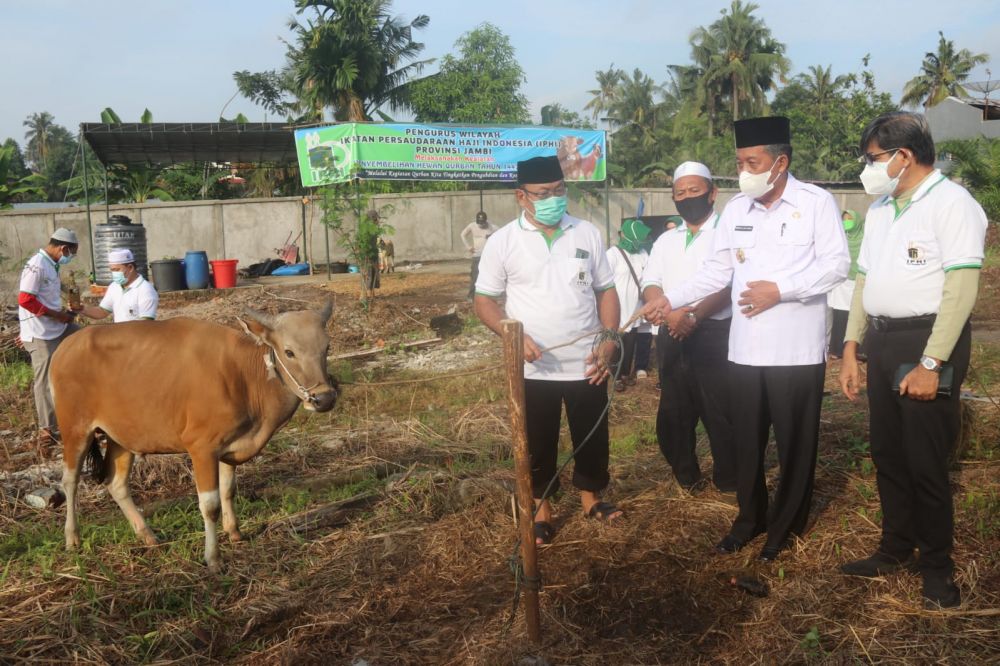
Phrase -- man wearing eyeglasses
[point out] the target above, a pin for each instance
(782, 244)
(553, 270)
(918, 277)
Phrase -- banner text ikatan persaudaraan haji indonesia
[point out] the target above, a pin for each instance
(395, 151)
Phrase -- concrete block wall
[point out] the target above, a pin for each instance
(427, 225)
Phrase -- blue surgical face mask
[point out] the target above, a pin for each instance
(66, 258)
(550, 211)
(118, 277)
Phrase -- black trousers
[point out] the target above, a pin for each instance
(910, 444)
(694, 384)
(543, 411)
(635, 352)
(473, 276)
(838, 330)
(789, 398)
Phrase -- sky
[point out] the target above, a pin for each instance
(73, 58)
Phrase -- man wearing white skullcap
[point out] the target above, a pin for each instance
(44, 322)
(693, 344)
(129, 296)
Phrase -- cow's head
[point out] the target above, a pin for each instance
(300, 346)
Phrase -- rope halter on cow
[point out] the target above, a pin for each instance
(303, 392)
(273, 358)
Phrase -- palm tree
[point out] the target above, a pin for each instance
(698, 95)
(634, 104)
(941, 74)
(606, 92)
(354, 57)
(38, 135)
(14, 183)
(822, 88)
(747, 59)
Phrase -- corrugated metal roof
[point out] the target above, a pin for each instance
(163, 144)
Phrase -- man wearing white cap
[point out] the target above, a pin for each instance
(130, 297)
(693, 344)
(44, 322)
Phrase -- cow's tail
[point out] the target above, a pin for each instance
(98, 469)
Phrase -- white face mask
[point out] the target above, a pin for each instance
(875, 177)
(755, 185)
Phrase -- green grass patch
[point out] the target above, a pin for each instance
(15, 375)
(982, 510)
(638, 438)
(984, 368)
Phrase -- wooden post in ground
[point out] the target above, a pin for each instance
(513, 353)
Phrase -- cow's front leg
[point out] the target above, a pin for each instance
(227, 489)
(206, 478)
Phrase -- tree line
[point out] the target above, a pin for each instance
(353, 60)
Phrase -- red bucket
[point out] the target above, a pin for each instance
(224, 271)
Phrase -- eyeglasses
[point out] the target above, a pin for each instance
(559, 191)
(869, 158)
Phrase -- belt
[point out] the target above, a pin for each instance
(889, 324)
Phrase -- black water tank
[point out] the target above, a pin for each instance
(118, 234)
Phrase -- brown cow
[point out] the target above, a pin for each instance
(185, 385)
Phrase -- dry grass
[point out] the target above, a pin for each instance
(421, 575)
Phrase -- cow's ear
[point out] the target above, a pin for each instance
(327, 310)
(257, 325)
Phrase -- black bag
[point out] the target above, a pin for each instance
(263, 268)
(946, 378)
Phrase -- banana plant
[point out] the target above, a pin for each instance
(10, 185)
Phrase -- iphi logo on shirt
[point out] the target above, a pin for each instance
(915, 256)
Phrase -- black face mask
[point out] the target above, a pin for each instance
(694, 209)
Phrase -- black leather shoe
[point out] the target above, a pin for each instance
(729, 545)
(941, 592)
(768, 554)
(879, 564)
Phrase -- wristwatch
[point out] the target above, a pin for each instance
(692, 316)
(930, 364)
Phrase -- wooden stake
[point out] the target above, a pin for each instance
(513, 352)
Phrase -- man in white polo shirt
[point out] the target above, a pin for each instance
(44, 322)
(557, 281)
(130, 297)
(782, 245)
(693, 345)
(918, 277)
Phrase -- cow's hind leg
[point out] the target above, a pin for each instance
(227, 489)
(206, 478)
(118, 466)
(75, 444)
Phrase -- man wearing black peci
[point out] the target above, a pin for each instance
(782, 245)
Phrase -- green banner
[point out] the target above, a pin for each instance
(396, 151)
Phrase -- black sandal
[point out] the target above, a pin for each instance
(603, 511)
(544, 532)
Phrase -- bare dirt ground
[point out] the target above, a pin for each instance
(381, 533)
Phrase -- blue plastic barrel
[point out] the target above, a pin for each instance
(196, 269)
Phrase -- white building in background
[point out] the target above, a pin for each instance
(955, 118)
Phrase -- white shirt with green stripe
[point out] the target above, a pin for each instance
(678, 254)
(136, 301)
(550, 285)
(907, 250)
